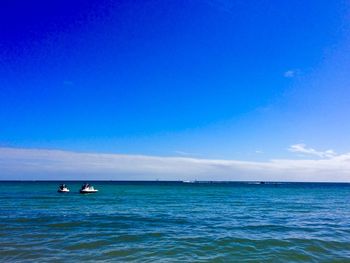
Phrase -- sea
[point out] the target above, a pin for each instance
(175, 222)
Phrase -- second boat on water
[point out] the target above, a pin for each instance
(63, 189)
(87, 189)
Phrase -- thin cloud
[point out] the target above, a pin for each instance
(183, 153)
(68, 83)
(301, 148)
(289, 73)
(40, 164)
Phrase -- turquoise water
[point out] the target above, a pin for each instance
(175, 222)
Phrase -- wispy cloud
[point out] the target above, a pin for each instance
(183, 153)
(68, 83)
(301, 148)
(40, 164)
(289, 73)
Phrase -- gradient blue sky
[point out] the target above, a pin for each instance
(239, 80)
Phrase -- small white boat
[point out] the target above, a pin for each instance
(63, 189)
(188, 182)
(87, 189)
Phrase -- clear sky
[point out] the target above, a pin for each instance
(236, 80)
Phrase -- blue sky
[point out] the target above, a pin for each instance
(228, 80)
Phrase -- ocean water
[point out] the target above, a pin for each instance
(175, 222)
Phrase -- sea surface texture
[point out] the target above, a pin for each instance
(175, 222)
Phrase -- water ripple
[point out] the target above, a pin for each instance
(176, 223)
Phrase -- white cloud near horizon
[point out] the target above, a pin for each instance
(301, 148)
(42, 164)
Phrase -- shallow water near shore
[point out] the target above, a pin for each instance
(174, 221)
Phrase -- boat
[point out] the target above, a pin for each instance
(63, 189)
(87, 189)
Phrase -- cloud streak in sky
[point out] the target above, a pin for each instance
(41, 164)
(301, 148)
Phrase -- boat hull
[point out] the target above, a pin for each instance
(63, 191)
(88, 191)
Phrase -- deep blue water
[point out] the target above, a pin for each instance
(175, 222)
